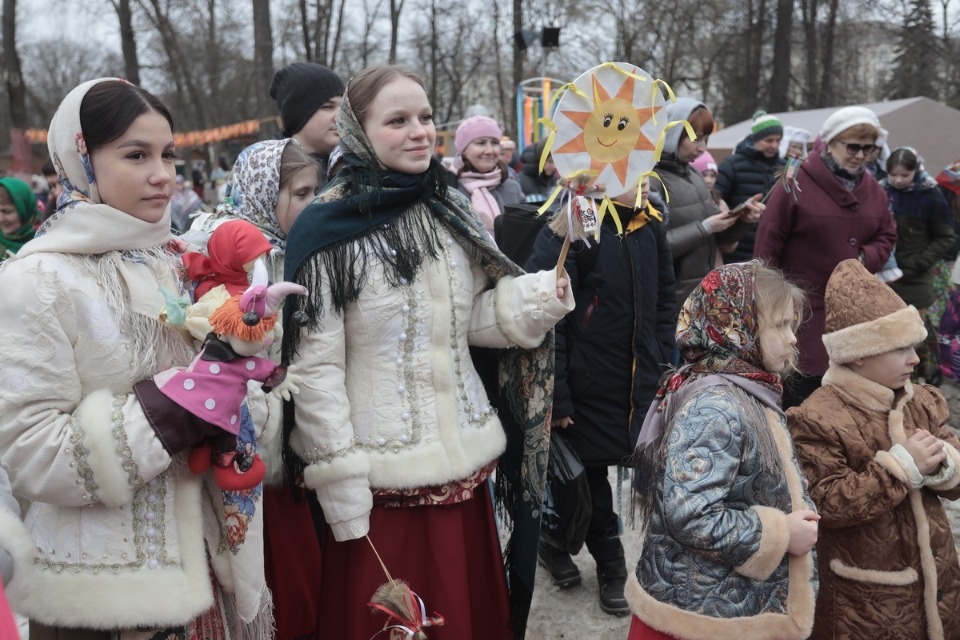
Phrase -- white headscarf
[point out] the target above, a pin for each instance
(794, 134)
(83, 224)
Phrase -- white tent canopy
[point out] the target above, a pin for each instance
(929, 126)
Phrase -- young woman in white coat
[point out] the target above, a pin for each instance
(121, 540)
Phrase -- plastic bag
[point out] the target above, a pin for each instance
(567, 506)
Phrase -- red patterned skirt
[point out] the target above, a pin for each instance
(450, 556)
(292, 559)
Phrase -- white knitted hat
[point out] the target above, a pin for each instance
(842, 119)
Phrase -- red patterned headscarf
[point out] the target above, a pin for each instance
(949, 178)
(232, 245)
(718, 330)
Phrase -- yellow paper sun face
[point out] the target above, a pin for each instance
(613, 134)
(612, 130)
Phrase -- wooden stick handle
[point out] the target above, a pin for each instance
(563, 256)
(379, 559)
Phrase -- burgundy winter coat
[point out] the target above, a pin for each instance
(808, 236)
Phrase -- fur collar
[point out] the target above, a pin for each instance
(864, 392)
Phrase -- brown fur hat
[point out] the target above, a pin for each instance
(864, 317)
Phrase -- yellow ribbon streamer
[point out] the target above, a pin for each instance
(607, 205)
(553, 196)
(562, 89)
(647, 174)
(658, 149)
(654, 174)
(653, 99)
(548, 146)
(631, 74)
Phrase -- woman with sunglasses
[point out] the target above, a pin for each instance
(837, 211)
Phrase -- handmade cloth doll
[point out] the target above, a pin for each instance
(214, 386)
(232, 249)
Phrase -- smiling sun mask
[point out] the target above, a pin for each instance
(607, 124)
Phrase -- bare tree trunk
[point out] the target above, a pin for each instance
(782, 45)
(518, 56)
(755, 56)
(434, 46)
(128, 43)
(396, 6)
(511, 127)
(183, 75)
(336, 38)
(305, 28)
(809, 10)
(369, 19)
(324, 27)
(262, 53)
(826, 63)
(12, 73)
(213, 52)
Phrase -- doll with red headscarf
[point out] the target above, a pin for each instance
(222, 272)
(214, 386)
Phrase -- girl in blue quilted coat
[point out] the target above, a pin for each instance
(729, 527)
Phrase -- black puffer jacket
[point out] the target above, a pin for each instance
(742, 175)
(612, 349)
(536, 186)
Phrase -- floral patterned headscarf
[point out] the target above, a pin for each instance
(718, 334)
(718, 330)
(254, 187)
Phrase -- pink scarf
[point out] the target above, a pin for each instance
(484, 204)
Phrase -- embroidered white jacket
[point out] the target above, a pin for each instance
(390, 397)
(114, 536)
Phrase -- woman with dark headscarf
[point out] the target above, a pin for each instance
(394, 428)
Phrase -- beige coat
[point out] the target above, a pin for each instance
(390, 397)
(888, 564)
(117, 532)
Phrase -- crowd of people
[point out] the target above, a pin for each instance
(760, 339)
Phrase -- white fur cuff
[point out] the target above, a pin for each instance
(909, 466)
(774, 540)
(96, 418)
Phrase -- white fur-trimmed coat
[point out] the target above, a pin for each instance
(116, 533)
(390, 397)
